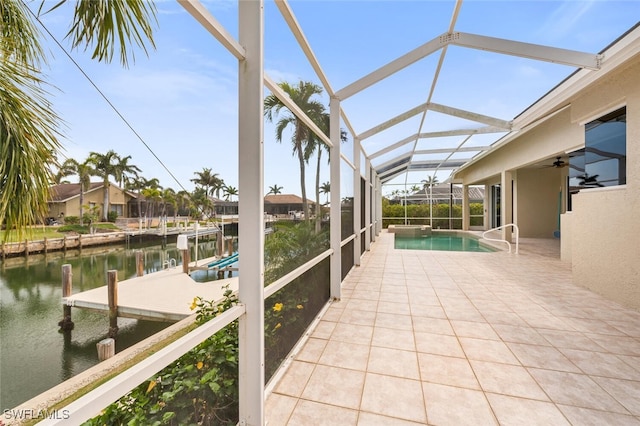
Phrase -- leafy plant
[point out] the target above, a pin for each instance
(200, 388)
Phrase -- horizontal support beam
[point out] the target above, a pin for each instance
(468, 115)
(451, 150)
(202, 15)
(393, 121)
(527, 50)
(391, 68)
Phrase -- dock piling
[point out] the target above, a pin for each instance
(106, 348)
(67, 289)
(112, 289)
(139, 263)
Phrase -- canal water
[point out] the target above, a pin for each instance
(34, 356)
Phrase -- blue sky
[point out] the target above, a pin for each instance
(182, 99)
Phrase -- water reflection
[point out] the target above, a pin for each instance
(34, 356)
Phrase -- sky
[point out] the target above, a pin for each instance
(175, 111)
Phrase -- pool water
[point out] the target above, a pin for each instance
(440, 241)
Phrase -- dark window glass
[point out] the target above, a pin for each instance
(605, 151)
(603, 160)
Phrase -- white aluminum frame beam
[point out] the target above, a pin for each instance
(527, 50)
(202, 15)
(451, 150)
(446, 133)
(474, 41)
(295, 28)
(443, 109)
(251, 376)
(468, 115)
(438, 163)
(335, 214)
(391, 68)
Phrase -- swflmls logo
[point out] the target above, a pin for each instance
(30, 414)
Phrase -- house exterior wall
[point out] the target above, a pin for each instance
(71, 207)
(604, 246)
(537, 201)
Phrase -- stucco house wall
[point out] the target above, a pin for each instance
(537, 201)
(605, 252)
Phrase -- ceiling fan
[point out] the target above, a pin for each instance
(559, 163)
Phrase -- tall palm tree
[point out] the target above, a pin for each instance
(316, 144)
(275, 189)
(325, 188)
(211, 183)
(125, 172)
(301, 95)
(28, 123)
(105, 166)
(84, 171)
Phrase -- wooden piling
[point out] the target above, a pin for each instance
(230, 246)
(26, 249)
(67, 290)
(106, 348)
(219, 244)
(186, 258)
(45, 245)
(112, 289)
(139, 263)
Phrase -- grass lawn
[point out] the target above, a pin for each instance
(41, 232)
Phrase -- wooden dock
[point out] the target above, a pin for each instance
(165, 295)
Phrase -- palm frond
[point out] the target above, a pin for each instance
(108, 25)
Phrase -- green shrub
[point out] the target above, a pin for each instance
(112, 216)
(200, 388)
(71, 220)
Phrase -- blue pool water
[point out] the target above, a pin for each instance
(442, 242)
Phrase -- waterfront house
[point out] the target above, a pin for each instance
(65, 200)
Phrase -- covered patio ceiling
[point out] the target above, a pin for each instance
(459, 91)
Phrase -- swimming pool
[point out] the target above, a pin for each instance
(441, 241)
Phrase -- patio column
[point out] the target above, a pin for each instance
(357, 202)
(335, 213)
(506, 203)
(250, 213)
(367, 205)
(378, 205)
(466, 222)
(486, 211)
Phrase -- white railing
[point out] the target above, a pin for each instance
(517, 235)
(90, 404)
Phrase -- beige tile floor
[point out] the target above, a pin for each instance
(450, 338)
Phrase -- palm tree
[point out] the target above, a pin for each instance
(211, 183)
(275, 189)
(28, 123)
(301, 95)
(429, 182)
(184, 200)
(325, 188)
(229, 192)
(168, 197)
(106, 165)
(125, 172)
(84, 171)
(315, 143)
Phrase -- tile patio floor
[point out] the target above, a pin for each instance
(450, 338)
